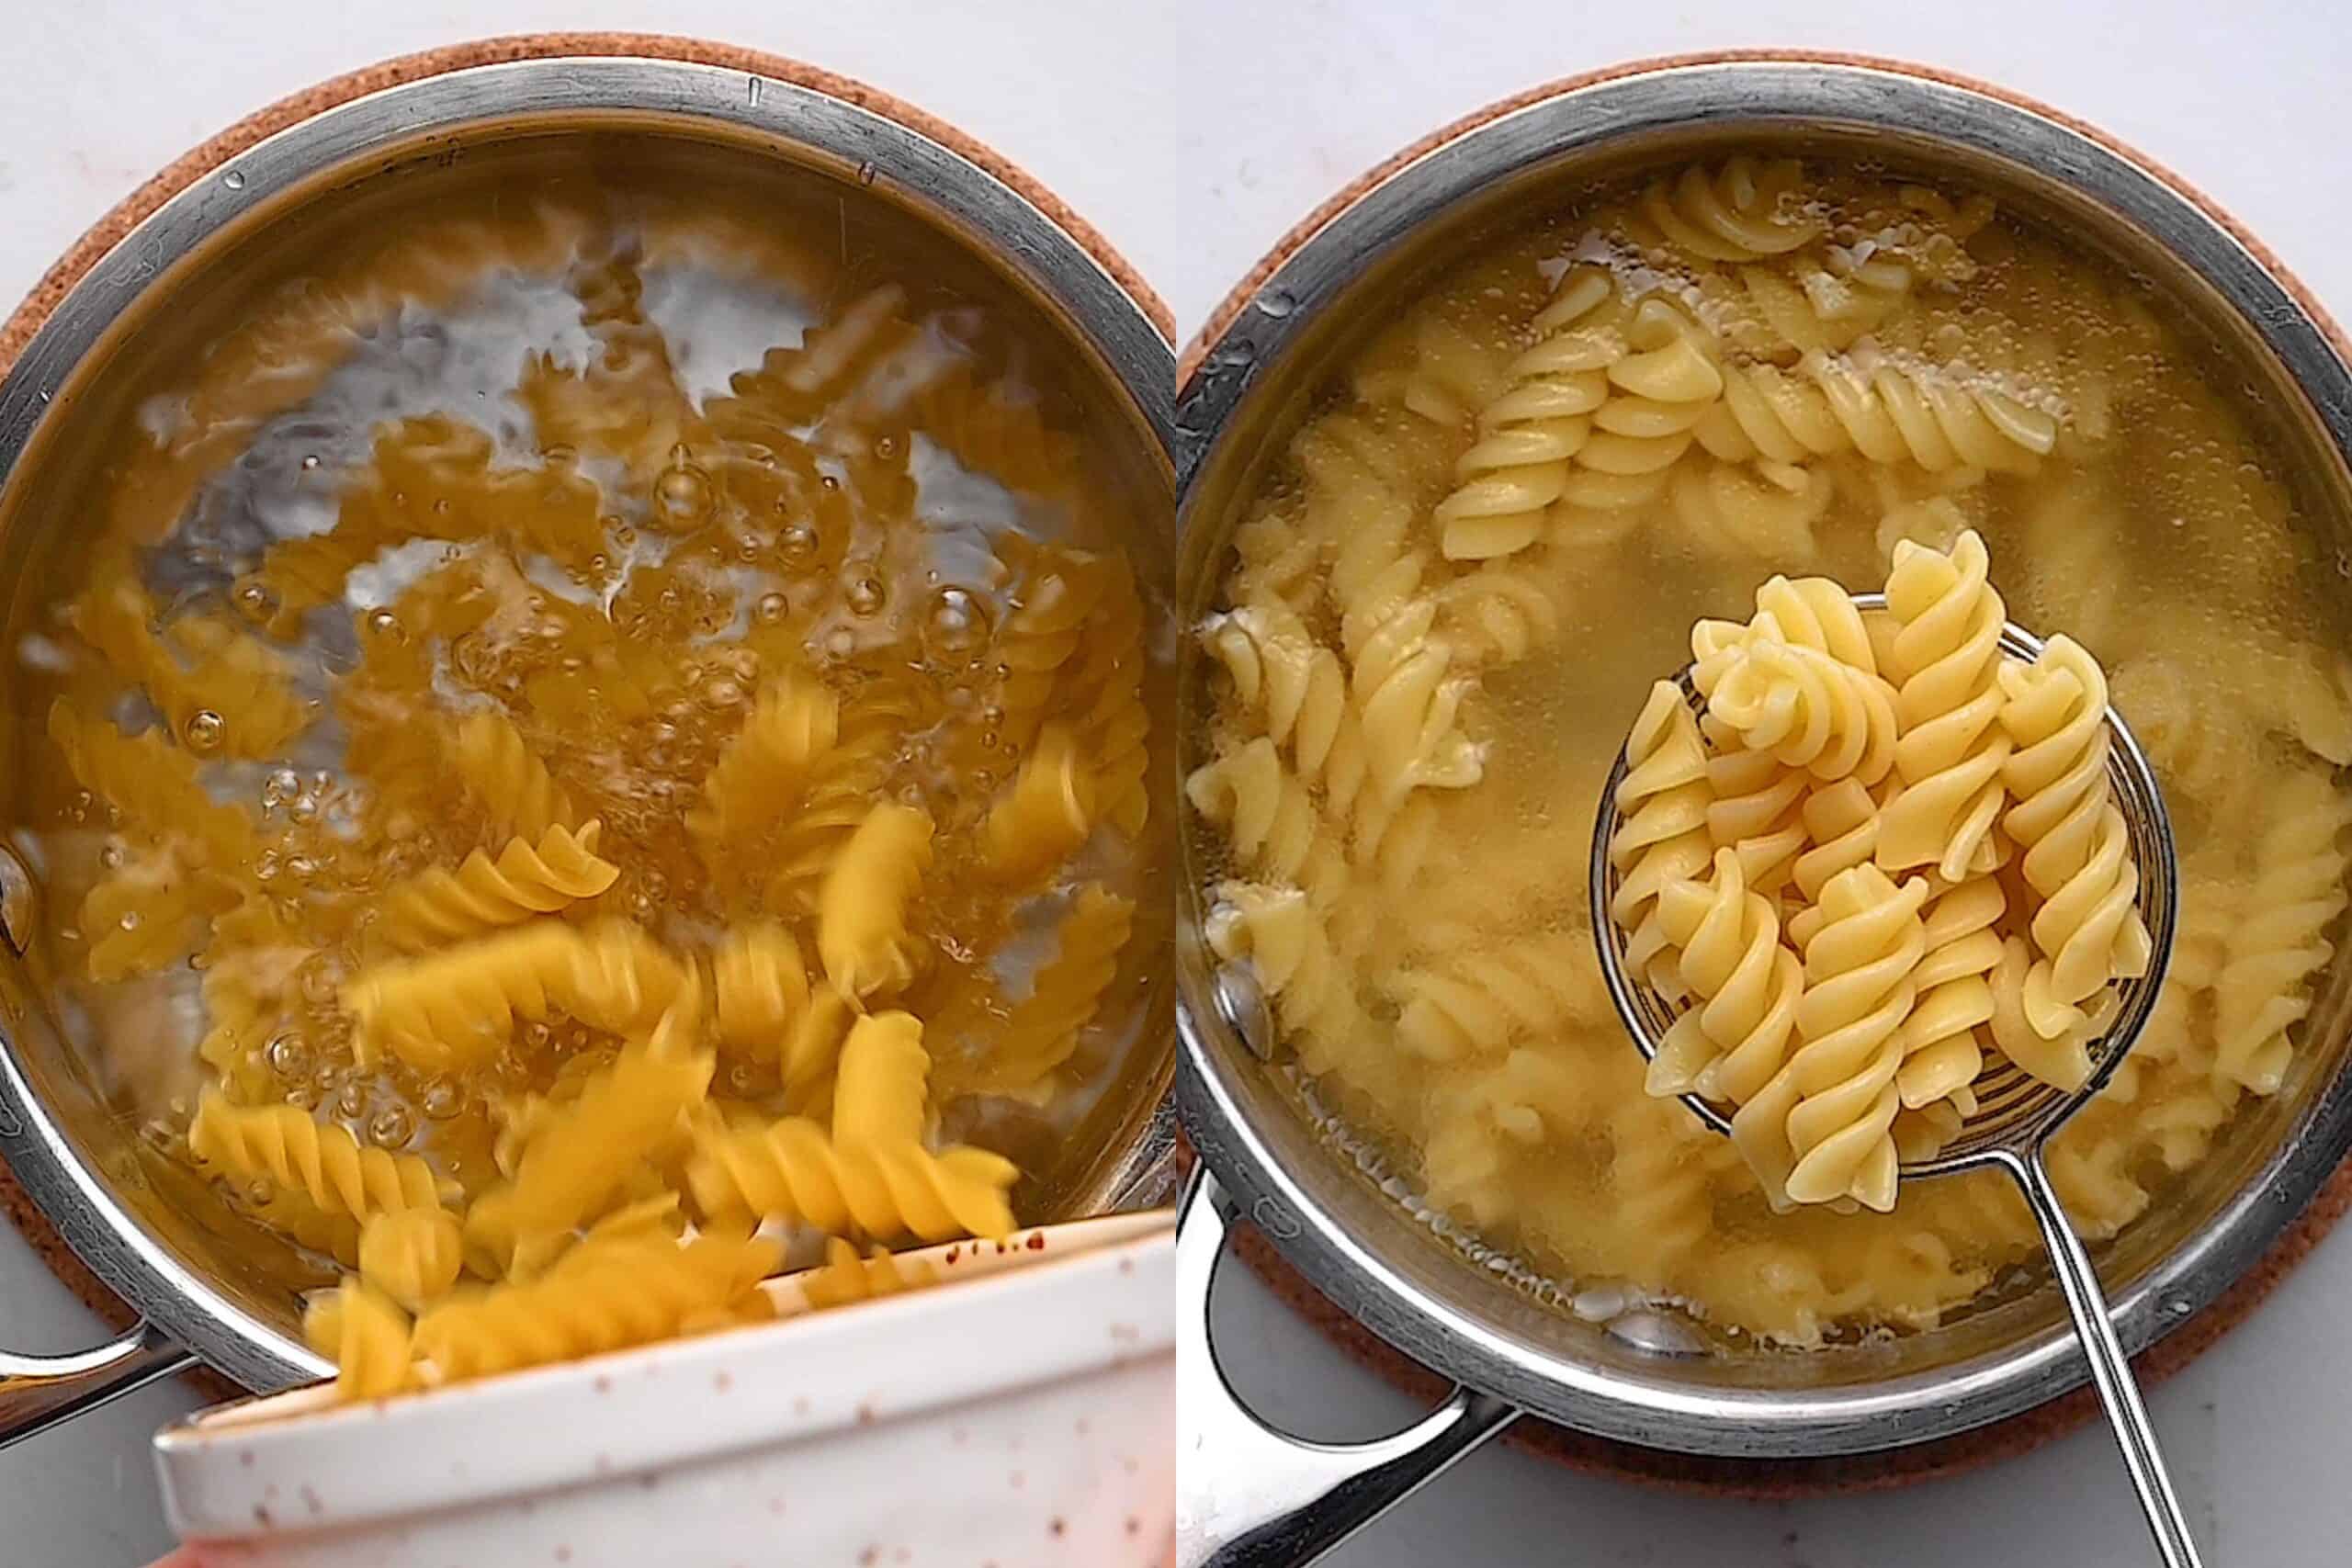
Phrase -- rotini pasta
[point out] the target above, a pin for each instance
(527, 879)
(863, 937)
(284, 1147)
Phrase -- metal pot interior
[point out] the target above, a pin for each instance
(1322, 1203)
(89, 1092)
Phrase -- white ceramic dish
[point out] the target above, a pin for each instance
(1022, 1417)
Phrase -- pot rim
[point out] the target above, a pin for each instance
(1313, 267)
(972, 194)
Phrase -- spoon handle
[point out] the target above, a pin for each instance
(2118, 1390)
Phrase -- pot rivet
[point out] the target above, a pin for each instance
(1274, 1219)
(1243, 1005)
(17, 903)
(1656, 1334)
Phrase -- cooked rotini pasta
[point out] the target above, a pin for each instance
(1946, 657)
(2077, 852)
(1661, 828)
(2278, 940)
(1874, 381)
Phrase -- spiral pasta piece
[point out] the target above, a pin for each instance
(1270, 819)
(791, 1170)
(153, 783)
(2279, 940)
(452, 1007)
(1659, 390)
(1742, 210)
(281, 1145)
(1946, 661)
(1831, 404)
(1747, 982)
(1047, 814)
(1662, 1168)
(1942, 1050)
(580, 1155)
(763, 770)
(1409, 704)
(357, 1326)
(2062, 1059)
(1278, 934)
(413, 1256)
(482, 895)
(1821, 1129)
(862, 930)
(882, 1082)
(1757, 807)
(760, 986)
(1299, 688)
(1661, 833)
(493, 761)
(2077, 852)
(1738, 511)
(1806, 708)
(606, 1294)
(1528, 435)
(846, 1278)
(1480, 1001)
(1042, 1032)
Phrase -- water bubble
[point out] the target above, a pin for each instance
(111, 857)
(956, 626)
(309, 460)
(886, 448)
(391, 1127)
(797, 545)
(265, 866)
(866, 173)
(289, 1055)
(351, 1102)
(384, 624)
(253, 601)
(130, 921)
(722, 692)
(865, 592)
(1276, 303)
(682, 498)
(771, 609)
(443, 1099)
(537, 1035)
(841, 642)
(829, 481)
(204, 731)
(233, 178)
(303, 868)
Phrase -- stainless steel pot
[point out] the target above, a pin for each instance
(1250, 1495)
(199, 1296)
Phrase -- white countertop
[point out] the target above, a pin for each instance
(1193, 135)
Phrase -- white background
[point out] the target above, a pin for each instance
(1193, 136)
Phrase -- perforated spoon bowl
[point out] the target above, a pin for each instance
(2017, 1114)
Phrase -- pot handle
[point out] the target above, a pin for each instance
(1248, 1496)
(38, 1392)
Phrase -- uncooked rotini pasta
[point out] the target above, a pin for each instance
(862, 932)
(573, 669)
(282, 1147)
(525, 880)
